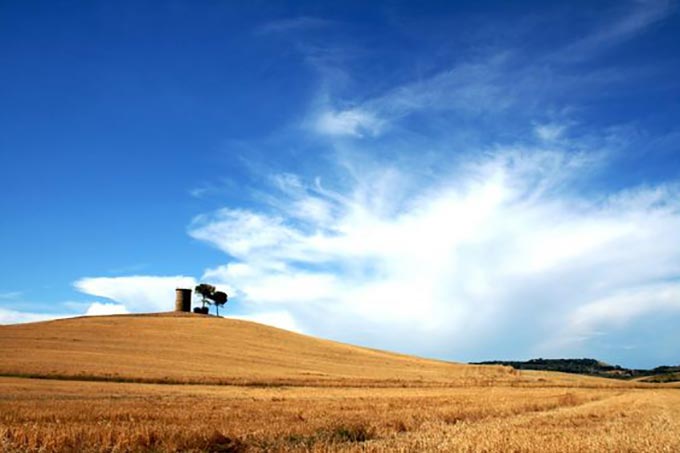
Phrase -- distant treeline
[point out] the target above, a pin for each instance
(591, 367)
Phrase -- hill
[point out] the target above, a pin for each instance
(289, 392)
(592, 367)
(188, 348)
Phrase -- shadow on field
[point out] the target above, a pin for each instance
(219, 443)
(355, 433)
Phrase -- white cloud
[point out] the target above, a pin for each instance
(461, 264)
(471, 87)
(8, 316)
(138, 293)
(98, 308)
(280, 319)
(620, 308)
(353, 122)
(251, 231)
(617, 310)
(153, 294)
(549, 132)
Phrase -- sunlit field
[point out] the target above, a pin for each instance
(44, 415)
(305, 394)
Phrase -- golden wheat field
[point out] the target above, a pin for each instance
(187, 348)
(140, 383)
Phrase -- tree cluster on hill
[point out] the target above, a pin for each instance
(210, 296)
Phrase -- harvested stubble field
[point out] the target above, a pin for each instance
(319, 402)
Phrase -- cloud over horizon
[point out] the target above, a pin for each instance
(135, 293)
(463, 263)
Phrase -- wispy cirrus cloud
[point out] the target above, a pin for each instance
(472, 87)
(352, 122)
(629, 20)
(494, 82)
(549, 132)
(617, 310)
(459, 257)
(464, 262)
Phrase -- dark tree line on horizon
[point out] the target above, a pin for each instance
(589, 367)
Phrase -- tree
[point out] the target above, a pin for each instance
(206, 291)
(219, 298)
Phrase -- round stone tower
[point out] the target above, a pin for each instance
(183, 300)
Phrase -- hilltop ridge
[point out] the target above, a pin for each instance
(189, 348)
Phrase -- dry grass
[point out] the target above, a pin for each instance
(194, 349)
(42, 415)
(199, 349)
(302, 394)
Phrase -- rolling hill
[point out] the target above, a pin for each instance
(188, 348)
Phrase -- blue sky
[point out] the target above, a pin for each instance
(468, 181)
